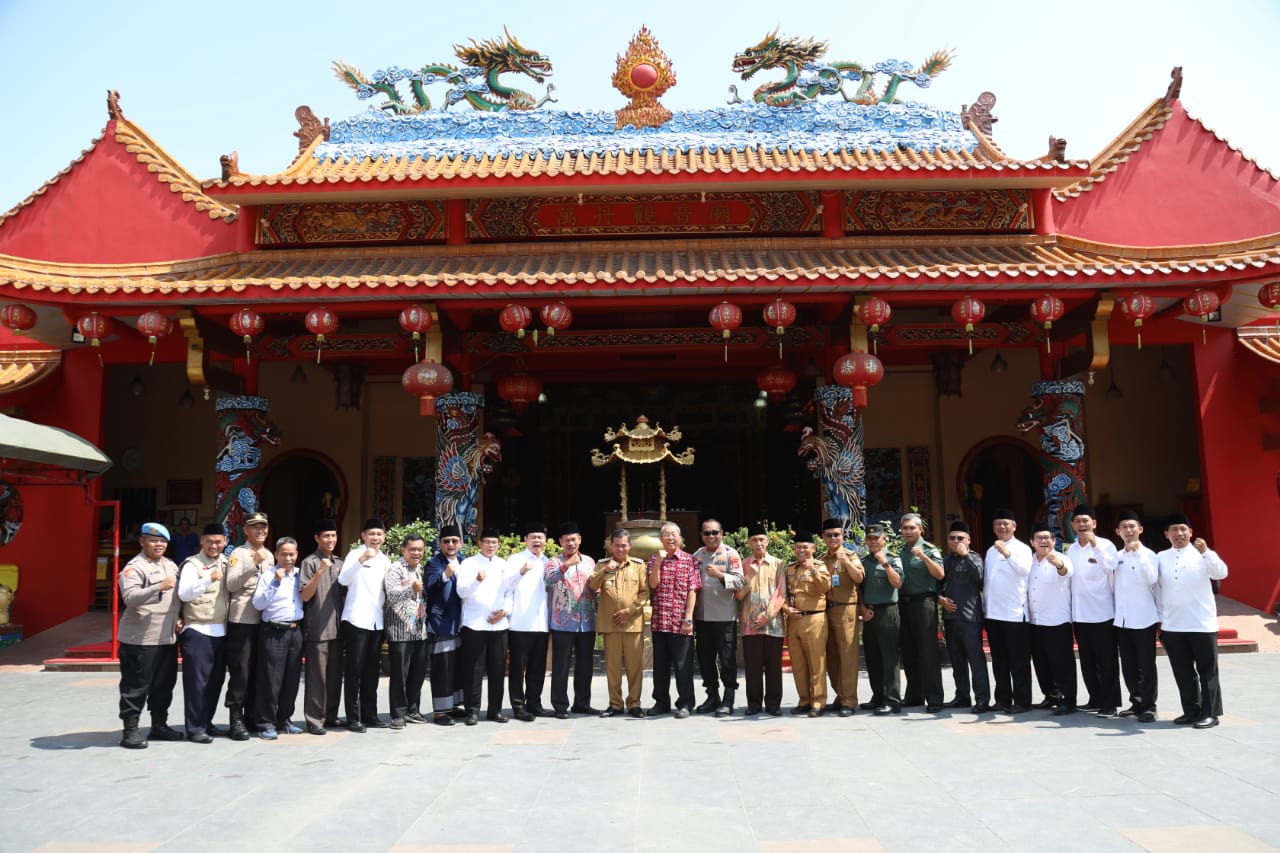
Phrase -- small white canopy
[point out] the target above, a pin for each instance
(35, 444)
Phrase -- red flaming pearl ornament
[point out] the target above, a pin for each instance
(779, 314)
(968, 310)
(724, 318)
(858, 371)
(1045, 310)
(154, 325)
(1136, 306)
(427, 380)
(321, 322)
(248, 324)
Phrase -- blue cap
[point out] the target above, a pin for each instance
(152, 528)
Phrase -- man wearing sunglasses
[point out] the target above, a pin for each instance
(715, 619)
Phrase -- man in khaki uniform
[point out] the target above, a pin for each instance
(244, 620)
(624, 591)
(843, 627)
(148, 650)
(808, 582)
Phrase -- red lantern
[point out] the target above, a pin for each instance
(1268, 295)
(1045, 311)
(417, 320)
(1202, 303)
(1136, 306)
(555, 316)
(427, 380)
(726, 317)
(515, 318)
(18, 317)
(874, 313)
(154, 325)
(93, 327)
(858, 371)
(779, 314)
(321, 322)
(247, 324)
(970, 311)
(519, 389)
(776, 381)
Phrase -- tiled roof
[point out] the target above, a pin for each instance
(1118, 152)
(1015, 262)
(156, 159)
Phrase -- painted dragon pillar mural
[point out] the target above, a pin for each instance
(242, 428)
(835, 455)
(465, 457)
(1057, 411)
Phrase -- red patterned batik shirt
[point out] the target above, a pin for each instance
(680, 579)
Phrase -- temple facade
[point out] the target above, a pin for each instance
(847, 301)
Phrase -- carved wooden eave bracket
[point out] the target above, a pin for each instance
(200, 334)
(22, 368)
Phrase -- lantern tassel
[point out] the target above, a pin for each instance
(151, 361)
(726, 353)
(535, 337)
(970, 346)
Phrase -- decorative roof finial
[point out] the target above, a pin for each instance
(1057, 150)
(230, 165)
(309, 127)
(1174, 92)
(644, 74)
(978, 117)
(113, 105)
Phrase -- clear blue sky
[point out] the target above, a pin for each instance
(207, 78)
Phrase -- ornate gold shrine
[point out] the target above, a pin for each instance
(642, 445)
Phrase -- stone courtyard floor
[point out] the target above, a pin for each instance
(910, 782)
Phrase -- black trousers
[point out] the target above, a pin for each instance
(241, 650)
(279, 675)
(203, 668)
(672, 651)
(1138, 663)
(322, 693)
(968, 661)
(408, 662)
(147, 678)
(1010, 661)
(362, 654)
(716, 645)
(1193, 655)
(762, 671)
(582, 644)
(1099, 666)
(446, 686)
(919, 639)
(528, 668)
(483, 653)
(1051, 649)
(881, 645)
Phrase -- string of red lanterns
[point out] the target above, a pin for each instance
(417, 320)
(780, 314)
(1202, 303)
(968, 310)
(155, 326)
(1136, 306)
(858, 371)
(1045, 311)
(321, 322)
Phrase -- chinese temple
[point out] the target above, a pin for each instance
(851, 302)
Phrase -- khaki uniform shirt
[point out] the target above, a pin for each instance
(807, 588)
(844, 589)
(624, 586)
(242, 580)
(150, 617)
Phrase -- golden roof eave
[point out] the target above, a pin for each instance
(23, 368)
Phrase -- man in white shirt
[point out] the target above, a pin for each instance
(1137, 615)
(363, 574)
(1005, 571)
(1189, 626)
(1093, 610)
(278, 596)
(528, 635)
(484, 585)
(1049, 609)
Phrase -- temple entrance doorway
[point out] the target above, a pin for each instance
(998, 473)
(300, 488)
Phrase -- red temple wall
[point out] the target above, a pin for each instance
(1241, 478)
(1184, 186)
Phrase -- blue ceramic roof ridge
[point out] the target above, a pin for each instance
(814, 127)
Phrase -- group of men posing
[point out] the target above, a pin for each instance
(253, 617)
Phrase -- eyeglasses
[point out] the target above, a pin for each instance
(956, 538)
(711, 533)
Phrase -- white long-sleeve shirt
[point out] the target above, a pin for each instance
(1048, 593)
(1093, 597)
(366, 593)
(1136, 575)
(528, 592)
(480, 599)
(1004, 582)
(1185, 592)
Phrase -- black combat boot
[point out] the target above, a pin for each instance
(132, 738)
(238, 730)
(160, 730)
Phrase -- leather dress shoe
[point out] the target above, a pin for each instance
(883, 711)
(378, 723)
(1090, 706)
(498, 717)
(1002, 709)
(458, 713)
(868, 706)
(800, 710)
(585, 709)
(524, 715)
(357, 727)
(1206, 723)
(957, 702)
(637, 712)
(1046, 703)
(1019, 709)
(313, 729)
(472, 719)
(213, 731)
(724, 711)
(1184, 720)
(980, 708)
(562, 715)
(200, 737)
(442, 720)
(912, 703)
(163, 731)
(845, 711)
(657, 711)
(612, 712)
(831, 707)
(1064, 709)
(815, 711)
(683, 714)
(1147, 717)
(710, 705)
(752, 710)
(332, 724)
(933, 709)
(774, 712)
(541, 712)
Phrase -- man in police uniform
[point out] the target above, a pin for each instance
(808, 582)
(148, 649)
(880, 613)
(244, 621)
(918, 608)
(843, 627)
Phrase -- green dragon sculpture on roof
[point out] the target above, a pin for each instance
(806, 78)
(476, 82)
